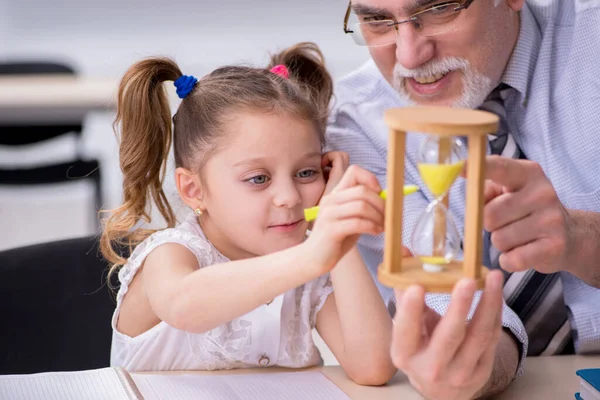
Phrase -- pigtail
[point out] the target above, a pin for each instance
(145, 118)
(306, 66)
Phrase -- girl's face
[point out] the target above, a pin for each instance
(257, 186)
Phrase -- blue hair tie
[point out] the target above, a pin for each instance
(185, 84)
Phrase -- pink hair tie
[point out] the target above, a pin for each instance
(281, 70)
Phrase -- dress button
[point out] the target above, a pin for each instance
(264, 361)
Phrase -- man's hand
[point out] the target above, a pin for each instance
(531, 227)
(527, 221)
(446, 358)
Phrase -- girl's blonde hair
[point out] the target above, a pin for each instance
(144, 117)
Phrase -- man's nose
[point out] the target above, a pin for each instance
(412, 49)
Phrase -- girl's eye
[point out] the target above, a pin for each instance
(307, 173)
(258, 180)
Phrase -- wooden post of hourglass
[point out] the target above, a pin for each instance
(474, 210)
(439, 238)
(392, 258)
(398, 271)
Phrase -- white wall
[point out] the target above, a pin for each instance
(102, 38)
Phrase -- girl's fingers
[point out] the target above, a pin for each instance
(355, 226)
(356, 193)
(337, 159)
(334, 164)
(354, 210)
(356, 176)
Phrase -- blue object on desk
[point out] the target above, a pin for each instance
(590, 383)
(577, 396)
(591, 376)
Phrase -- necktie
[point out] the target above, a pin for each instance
(536, 298)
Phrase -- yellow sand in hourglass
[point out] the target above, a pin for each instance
(439, 177)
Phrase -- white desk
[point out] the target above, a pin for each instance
(545, 378)
(54, 98)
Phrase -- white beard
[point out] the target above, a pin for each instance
(476, 86)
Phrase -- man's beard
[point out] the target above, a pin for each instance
(476, 86)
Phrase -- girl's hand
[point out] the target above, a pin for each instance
(352, 208)
(334, 164)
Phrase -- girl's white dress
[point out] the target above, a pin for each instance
(276, 334)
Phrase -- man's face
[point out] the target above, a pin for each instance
(457, 68)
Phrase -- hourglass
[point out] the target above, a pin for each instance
(435, 241)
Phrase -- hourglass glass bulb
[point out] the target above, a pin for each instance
(435, 245)
(440, 161)
(432, 152)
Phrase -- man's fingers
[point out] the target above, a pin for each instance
(535, 254)
(510, 207)
(510, 173)
(485, 327)
(398, 293)
(491, 190)
(430, 321)
(450, 331)
(406, 339)
(483, 370)
(488, 316)
(517, 234)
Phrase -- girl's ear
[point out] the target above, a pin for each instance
(190, 188)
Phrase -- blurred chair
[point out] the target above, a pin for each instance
(57, 307)
(15, 135)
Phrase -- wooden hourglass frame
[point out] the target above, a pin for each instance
(447, 123)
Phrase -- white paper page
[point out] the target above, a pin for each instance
(100, 384)
(273, 386)
(587, 391)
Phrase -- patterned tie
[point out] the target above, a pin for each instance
(536, 298)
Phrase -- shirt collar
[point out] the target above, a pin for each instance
(521, 65)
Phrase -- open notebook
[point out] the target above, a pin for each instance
(118, 384)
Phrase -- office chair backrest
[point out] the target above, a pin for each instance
(56, 307)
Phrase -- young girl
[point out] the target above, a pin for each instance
(239, 284)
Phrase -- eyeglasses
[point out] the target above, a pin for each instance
(378, 30)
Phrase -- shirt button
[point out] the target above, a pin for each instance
(264, 361)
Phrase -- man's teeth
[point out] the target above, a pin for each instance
(429, 79)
